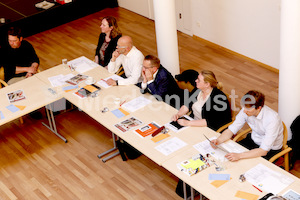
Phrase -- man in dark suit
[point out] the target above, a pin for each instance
(158, 81)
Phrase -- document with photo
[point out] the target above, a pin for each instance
(16, 96)
(75, 80)
(128, 124)
(146, 130)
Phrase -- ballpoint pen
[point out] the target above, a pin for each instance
(123, 102)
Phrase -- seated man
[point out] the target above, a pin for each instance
(267, 129)
(157, 80)
(130, 58)
(20, 59)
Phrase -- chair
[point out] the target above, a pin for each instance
(284, 151)
(2, 77)
(232, 108)
(120, 71)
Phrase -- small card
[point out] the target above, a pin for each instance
(70, 87)
(218, 183)
(246, 195)
(219, 177)
(12, 108)
(1, 115)
(118, 113)
(160, 137)
(20, 107)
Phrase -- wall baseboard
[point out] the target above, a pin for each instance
(237, 54)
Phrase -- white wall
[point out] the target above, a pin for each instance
(248, 27)
(142, 7)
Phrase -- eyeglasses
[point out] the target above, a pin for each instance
(147, 67)
(121, 47)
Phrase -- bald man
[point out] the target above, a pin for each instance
(130, 58)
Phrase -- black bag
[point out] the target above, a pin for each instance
(127, 151)
(179, 189)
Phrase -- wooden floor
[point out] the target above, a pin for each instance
(36, 165)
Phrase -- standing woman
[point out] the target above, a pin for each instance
(212, 107)
(110, 33)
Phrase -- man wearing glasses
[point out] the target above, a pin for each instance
(130, 58)
(267, 129)
(158, 81)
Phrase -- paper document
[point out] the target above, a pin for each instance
(291, 195)
(170, 146)
(82, 64)
(136, 104)
(59, 80)
(205, 148)
(267, 180)
(103, 84)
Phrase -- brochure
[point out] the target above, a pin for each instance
(147, 129)
(15, 96)
(77, 79)
(128, 124)
(194, 165)
(87, 90)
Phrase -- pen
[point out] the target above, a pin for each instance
(122, 102)
(257, 188)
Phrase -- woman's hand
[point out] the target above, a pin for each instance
(183, 122)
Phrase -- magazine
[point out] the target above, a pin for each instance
(16, 96)
(87, 90)
(77, 79)
(194, 165)
(128, 124)
(147, 129)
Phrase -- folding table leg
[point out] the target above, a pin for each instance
(52, 126)
(110, 150)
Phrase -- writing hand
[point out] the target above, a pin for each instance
(111, 82)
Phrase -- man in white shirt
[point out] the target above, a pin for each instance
(267, 129)
(130, 58)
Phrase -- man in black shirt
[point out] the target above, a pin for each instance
(20, 59)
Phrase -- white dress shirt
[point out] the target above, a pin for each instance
(267, 128)
(132, 64)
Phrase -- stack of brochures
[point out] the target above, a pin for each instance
(87, 90)
(194, 165)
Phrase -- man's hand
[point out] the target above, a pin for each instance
(233, 157)
(111, 82)
(28, 75)
(114, 56)
(31, 70)
(147, 75)
(215, 142)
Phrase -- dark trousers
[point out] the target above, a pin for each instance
(249, 144)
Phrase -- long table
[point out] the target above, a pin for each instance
(36, 87)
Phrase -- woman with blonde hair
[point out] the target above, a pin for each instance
(107, 43)
(212, 107)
